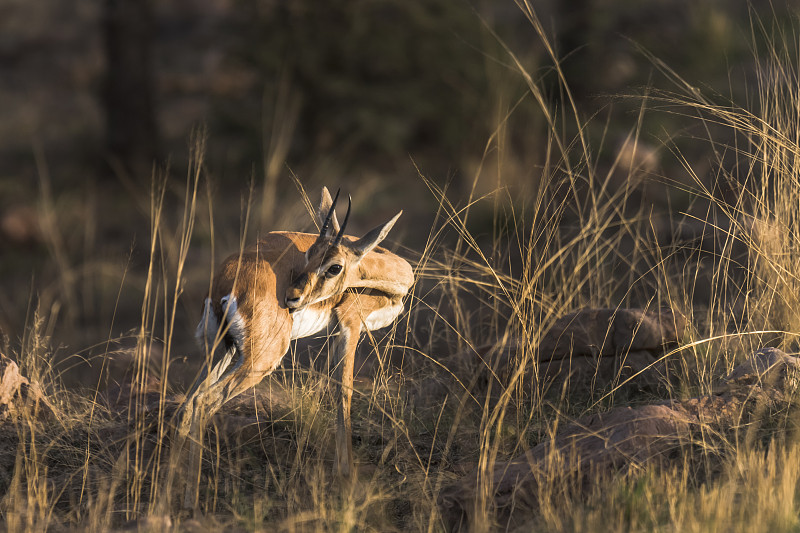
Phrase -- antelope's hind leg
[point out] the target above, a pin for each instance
(231, 375)
(211, 390)
(218, 381)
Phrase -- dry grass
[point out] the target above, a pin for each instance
(497, 269)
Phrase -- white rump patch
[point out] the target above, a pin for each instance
(383, 317)
(207, 327)
(309, 320)
(234, 319)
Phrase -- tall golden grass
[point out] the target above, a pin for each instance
(497, 268)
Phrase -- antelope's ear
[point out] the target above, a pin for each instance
(325, 204)
(374, 237)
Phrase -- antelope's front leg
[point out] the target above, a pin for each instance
(352, 314)
(345, 349)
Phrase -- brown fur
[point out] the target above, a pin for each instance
(276, 281)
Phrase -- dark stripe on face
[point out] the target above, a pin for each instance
(329, 254)
(302, 280)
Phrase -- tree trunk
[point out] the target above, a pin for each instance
(131, 131)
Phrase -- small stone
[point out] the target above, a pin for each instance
(600, 332)
(767, 366)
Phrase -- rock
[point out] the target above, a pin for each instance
(718, 411)
(11, 381)
(767, 367)
(638, 370)
(16, 390)
(600, 332)
(578, 349)
(593, 445)
(615, 442)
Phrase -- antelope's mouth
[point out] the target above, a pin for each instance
(293, 303)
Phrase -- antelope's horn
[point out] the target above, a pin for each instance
(344, 224)
(327, 222)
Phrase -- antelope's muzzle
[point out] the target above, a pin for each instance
(297, 292)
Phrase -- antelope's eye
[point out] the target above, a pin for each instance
(334, 270)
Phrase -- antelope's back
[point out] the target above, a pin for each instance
(257, 279)
(263, 269)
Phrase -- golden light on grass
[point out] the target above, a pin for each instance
(497, 269)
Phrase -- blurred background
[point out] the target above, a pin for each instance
(104, 105)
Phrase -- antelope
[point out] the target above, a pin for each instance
(287, 286)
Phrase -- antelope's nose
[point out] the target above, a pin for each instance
(292, 302)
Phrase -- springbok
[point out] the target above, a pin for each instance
(287, 286)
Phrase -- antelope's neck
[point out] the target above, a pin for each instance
(313, 318)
